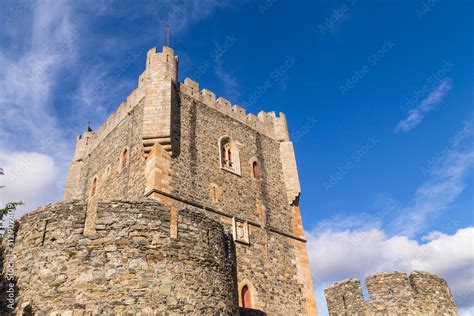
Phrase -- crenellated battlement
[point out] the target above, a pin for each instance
(421, 293)
(267, 123)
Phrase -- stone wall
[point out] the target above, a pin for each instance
(195, 166)
(421, 293)
(275, 265)
(87, 143)
(104, 162)
(131, 265)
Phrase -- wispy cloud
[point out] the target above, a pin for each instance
(230, 83)
(435, 195)
(432, 198)
(60, 70)
(101, 88)
(416, 115)
(178, 14)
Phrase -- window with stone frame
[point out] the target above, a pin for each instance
(229, 154)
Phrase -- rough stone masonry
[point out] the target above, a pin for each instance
(180, 203)
(392, 293)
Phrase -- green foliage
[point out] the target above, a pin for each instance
(9, 207)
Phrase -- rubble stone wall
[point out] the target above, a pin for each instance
(392, 293)
(131, 265)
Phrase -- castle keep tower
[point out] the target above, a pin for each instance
(176, 168)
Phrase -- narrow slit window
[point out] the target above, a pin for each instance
(124, 158)
(94, 186)
(256, 170)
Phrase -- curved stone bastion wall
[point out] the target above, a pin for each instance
(142, 260)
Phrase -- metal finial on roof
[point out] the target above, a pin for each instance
(89, 129)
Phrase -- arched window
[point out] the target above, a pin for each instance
(246, 299)
(229, 154)
(124, 158)
(94, 187)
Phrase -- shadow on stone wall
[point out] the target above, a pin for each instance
(251, 312)
(176, 127)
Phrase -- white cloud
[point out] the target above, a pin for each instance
(469, 311)
(357, 245)
(337, 255)
(29, 177)
(416, 115)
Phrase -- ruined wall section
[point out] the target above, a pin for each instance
(132, 264)
(432, 292)
(345, 297)
(421, 293)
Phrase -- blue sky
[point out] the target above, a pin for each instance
(378, 96)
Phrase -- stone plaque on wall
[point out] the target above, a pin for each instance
(240, 230)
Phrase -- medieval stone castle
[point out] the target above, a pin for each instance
(178, 203)
(182, 204)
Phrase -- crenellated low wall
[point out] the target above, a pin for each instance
(133, 264)
(394, 293)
